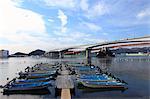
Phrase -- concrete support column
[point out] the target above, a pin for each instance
(61, 54)
(88, 55)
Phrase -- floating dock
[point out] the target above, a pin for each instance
(64, 83)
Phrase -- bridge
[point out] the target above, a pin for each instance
(103, 47)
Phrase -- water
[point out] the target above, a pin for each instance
(134, 70)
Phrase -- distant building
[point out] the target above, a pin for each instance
(4, 53)
(52, 54)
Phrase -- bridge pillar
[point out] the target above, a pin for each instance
(104, 49)
(88, 56)
(61, 54)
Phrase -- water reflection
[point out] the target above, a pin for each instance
(103, 63)
(86, 91)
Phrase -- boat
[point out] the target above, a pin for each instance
(85, 67)
(102, 85)
(33, 80)
(41, 68)
(38, 71)
(101, 81)
(99, 77)
(36, 75)
(29, 83)
(41, 87)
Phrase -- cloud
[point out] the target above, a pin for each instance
(92, 26)
(93, 10)
(60, 3)
(15, 20)
(106, 34)
(50, 20)
(73, 38)
(144, 13)
(94, 40)
(78, 35)
(63, 19)
(97, 9)
(84, 5)
(20, 27)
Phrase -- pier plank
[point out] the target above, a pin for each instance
(65, 94)
(64, 82)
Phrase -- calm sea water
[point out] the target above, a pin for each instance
(134, 70)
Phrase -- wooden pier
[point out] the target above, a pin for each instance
(64, 83)
(65, 94)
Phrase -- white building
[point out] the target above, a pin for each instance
(4, 53)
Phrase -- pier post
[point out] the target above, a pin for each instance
(88, 55)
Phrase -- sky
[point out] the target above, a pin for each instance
(26, 25)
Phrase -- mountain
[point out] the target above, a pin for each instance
(18, 54)
(36, 52)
